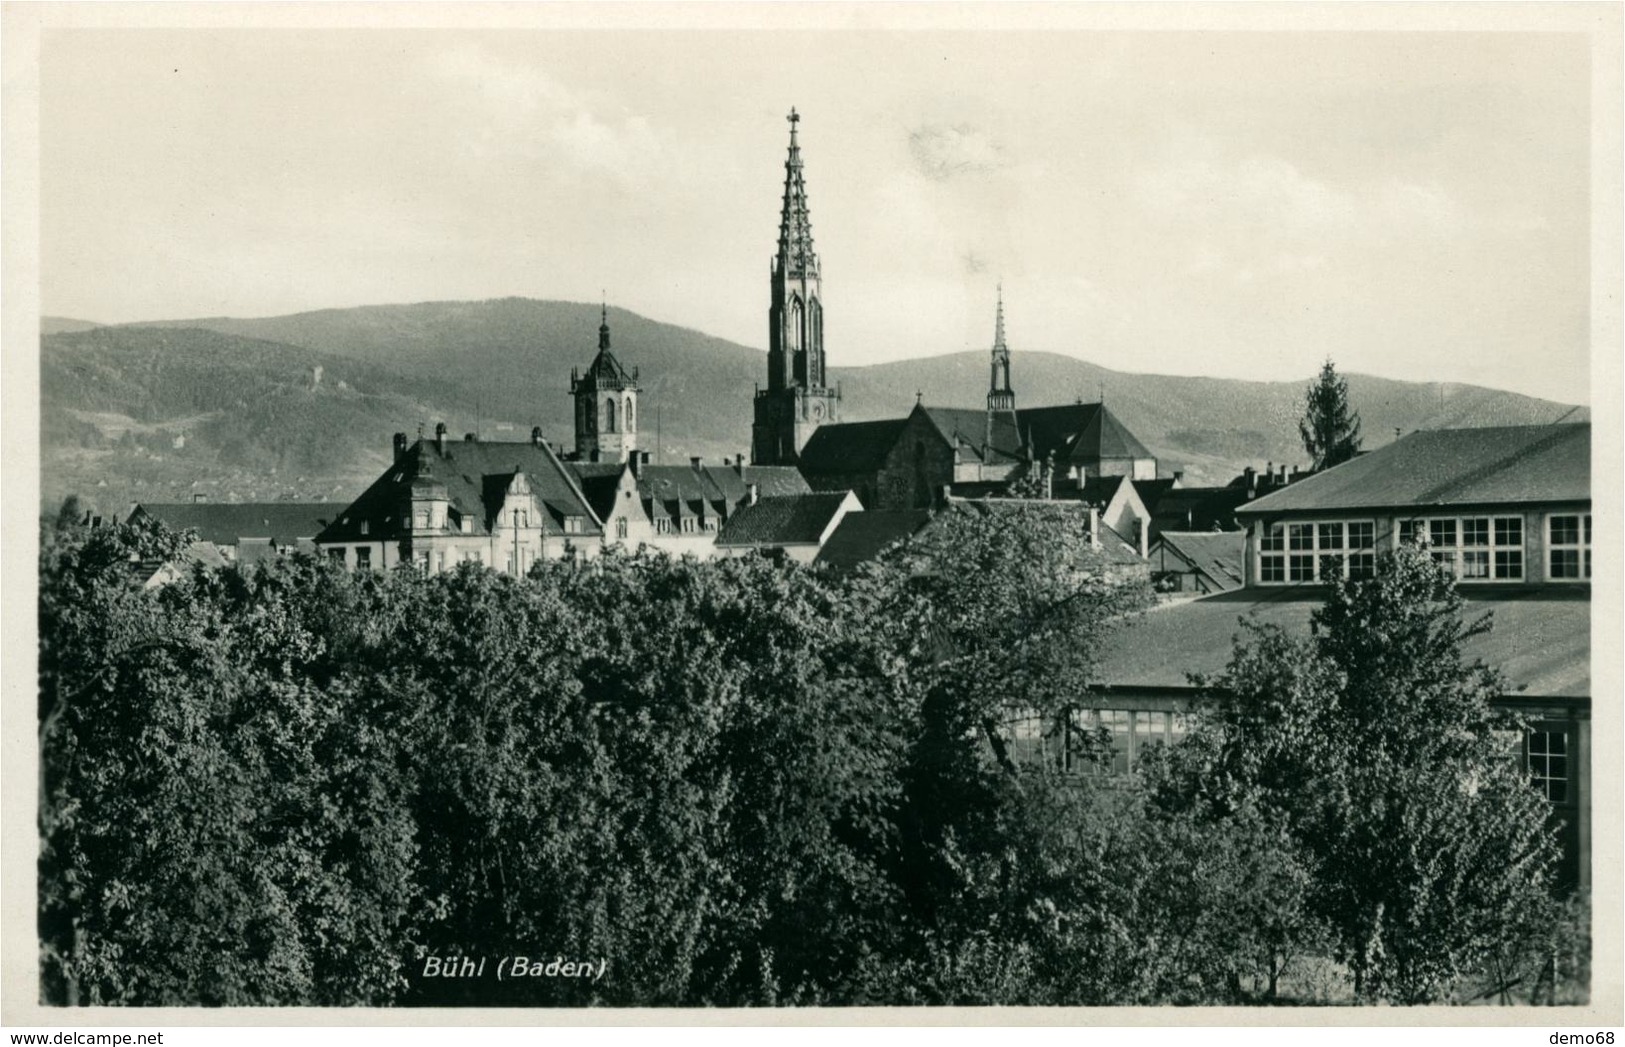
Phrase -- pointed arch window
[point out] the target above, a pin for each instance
(629, 417)
(798, 320)
(815, 342)
(609, 415)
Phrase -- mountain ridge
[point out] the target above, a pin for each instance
(248, 405)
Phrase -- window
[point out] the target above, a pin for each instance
(420, 520)
(336, 555)
(609, 416)
(630, 416)
(688, 525)
(363, 557)
(1317, 552)
(1549, 764)
(662, 526)
(1568, 547)
(572, 525)
(363, 527)
(710, 525)
(466, 524)
(1472, 548)
(620, 527)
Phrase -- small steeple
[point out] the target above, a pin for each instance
(603, 325)
(1000, 397)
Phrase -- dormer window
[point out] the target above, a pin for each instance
(688, 525)
(466, 525)
(420, 520)
(363, 527)
(572, 525)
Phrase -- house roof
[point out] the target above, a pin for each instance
(1541, 636)
(1441, 467)
(1196, 508)
(1217, 554)
(850, 447)
(721, 488)
(476, 475)
(799, 519)
(861, 537)
(227, 523)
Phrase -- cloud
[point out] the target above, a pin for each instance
(1256, 191)
(522, 109)
(943, 152)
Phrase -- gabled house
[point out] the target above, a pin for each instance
(1198, 561)
(441, 502)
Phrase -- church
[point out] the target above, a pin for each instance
(506, 504)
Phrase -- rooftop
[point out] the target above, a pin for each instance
(1541, 636)
(1443, 467)
(227, 523)
(800, 519)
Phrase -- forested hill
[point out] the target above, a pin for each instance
(230, 407)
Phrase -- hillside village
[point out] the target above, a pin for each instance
(1506, 510)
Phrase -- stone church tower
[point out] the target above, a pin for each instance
(606, 405)
(797, 399)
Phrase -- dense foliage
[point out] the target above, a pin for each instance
(730, 783)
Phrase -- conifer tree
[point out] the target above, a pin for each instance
(1329, 427)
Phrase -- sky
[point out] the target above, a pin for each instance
(1232, 204)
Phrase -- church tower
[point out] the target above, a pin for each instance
(999, 395)
(606, 404)
(797, 399)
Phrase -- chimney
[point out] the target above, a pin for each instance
(1269, 473)
(468, 438)
(440, 437)
(400, 446)
(739, 464)
(753, 493)
(636, 459)
(1179, 477)
(944, 493)
(1252, 480)
(1094, 527)
(536, 436)
(695, 462)
(1281, 476)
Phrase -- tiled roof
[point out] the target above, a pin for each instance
(475, 474)
(1078, 433)
(793, 520)
(1541, 637)
(1440, 467)
(967, 427)
(226, 523)
(1217, 554)
(861, 537)
(850, 447)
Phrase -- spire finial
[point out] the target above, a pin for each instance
(603, 322)
(919, 397)
(998, 321)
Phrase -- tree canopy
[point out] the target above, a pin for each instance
(1330, 427)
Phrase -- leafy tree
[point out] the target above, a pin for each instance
(1375, 739)
(1330, 428)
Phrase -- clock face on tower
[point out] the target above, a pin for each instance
(818, 412)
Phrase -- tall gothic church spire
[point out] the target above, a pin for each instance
(796, 400)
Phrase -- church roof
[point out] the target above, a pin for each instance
(1078, 433)
(850, 447)
(476, 475)
(798, 519)
(605, 372)
(967, 428)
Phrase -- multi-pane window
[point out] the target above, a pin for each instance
(363, 556)
(1472, 548)
(1568, 547)
(1549, 764)
(1317, 552)
(620, 527)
